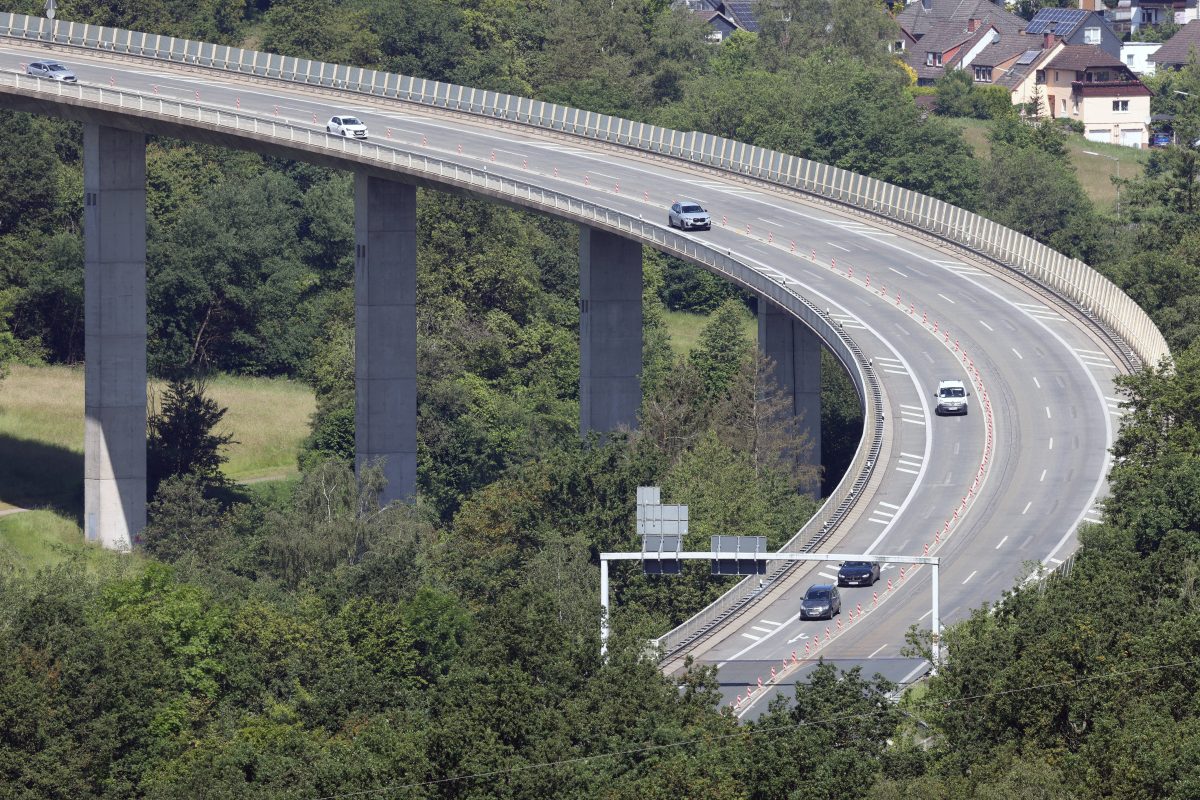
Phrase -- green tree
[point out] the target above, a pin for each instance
(182, 437)
(723, 346)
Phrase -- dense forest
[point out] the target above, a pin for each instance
(304, 642)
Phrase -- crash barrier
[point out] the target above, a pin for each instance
(1097, 297)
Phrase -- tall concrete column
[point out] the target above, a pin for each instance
(385, 331)
(114, 311)
(796, 351)
(610, 331)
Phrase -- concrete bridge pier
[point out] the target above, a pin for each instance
(385, 331)
(114, 222)
(796, 351)
(610, 331)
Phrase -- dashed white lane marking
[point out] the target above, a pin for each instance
(912, 455)
(877, 649)
(1026, 509)
(838, 246)
(984, 324)
(769, 221)
(972, 575)
(908, 471)
(911, 408)
(1056, 561)
(879, 521)
(758, 628)
(896, 371)
(898, 272)
(770, 622)
(889, 359)
(1000, 543)
(947, 299)
(1114, 399)
(1085, 350)
(752, 636)
(1018, 354)
(904, 463)
(1051, 447)
(923, 616)
(1047, 412)
(913, 421)
(1036, 382)
(1043, 476)
(889, 505)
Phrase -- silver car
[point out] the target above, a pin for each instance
(346, 126)
(52, 70)
(688, 215)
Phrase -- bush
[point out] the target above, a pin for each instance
(992, 102)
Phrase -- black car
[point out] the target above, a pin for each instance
(858, 573)
(821, 601)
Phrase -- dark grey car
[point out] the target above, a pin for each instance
(688, 215)
(52, 70)
(858, 573)
(821, 601)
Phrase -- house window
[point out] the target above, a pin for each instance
(1040, 76)
(983, 74)
(1120, 105)
(1056, 79)
(933, 59)
(929, 59)
(1091, 36)
(1064, 105)
(1149, 16)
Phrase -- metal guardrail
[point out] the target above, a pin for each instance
(768, 284)
(1095, 295)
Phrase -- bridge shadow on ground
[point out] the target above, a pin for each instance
(37, 475)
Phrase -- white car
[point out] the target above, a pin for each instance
(346, 126)
(951, 398)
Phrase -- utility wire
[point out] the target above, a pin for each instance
(756, 731)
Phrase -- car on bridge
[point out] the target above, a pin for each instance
(346, 126)
(821, 601)
(52, 70)
(858, 573)
(951, 398)
(689, 215)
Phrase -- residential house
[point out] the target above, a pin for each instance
(720, 16)
(1179, 49)
(1076, 26)
(1138, 56)
(920, 16)
(1086, 84)
(1130, 16)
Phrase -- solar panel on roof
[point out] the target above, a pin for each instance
(743, 12)
(1028, 56)
(1048, 19)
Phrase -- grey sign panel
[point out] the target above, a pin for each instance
(746, 550)
(659, 551)
(649, 496)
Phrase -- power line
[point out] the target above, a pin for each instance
(744, 732)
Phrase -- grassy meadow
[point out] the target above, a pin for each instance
(685, 328)
(41, 449)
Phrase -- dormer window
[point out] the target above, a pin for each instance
(983, 74)
(1091, 36)
(933, 59)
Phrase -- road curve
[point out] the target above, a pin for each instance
(988, 492)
